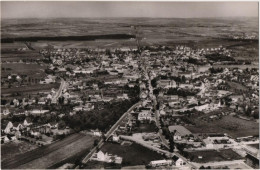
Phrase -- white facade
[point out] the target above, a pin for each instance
(160, 163)
(8, 127)
(179, 162)
(145, 115)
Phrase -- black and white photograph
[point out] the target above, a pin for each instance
(130, 85)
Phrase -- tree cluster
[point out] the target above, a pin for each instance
(98, 119)
(181, 92)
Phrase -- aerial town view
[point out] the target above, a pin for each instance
(129, 85)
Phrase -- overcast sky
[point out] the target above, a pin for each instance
(128, 9)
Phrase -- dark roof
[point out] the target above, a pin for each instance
(216, 135)
(4, 124)
(175, 158)
(28, 120)
(15, 124)
(53, 123)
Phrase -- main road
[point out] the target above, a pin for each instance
(157, 118)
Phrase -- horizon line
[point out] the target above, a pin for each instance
(131, 17)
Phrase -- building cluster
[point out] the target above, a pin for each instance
(173, 86)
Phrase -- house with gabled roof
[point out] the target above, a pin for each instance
(27, 122)
(8, 127)
(17, 126)
(4, 139)
(53, 125)
(179, 132)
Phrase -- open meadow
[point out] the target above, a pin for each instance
(133, 154)
(30, 88)
(23, 68)
(213, 156)
(231, 125)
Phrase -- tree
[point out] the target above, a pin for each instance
(3, 102)
(36, 100)
(61, 100)
(183, 79)
(171, 145)
(156, 92)
(154, 82)
(228, 100)
(95, 142)
(256, 114)
(68, 69)
(61, 125)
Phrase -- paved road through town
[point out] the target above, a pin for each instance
(164, 141)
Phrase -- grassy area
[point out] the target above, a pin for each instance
(133, 154)
(146, 127)
(237, 86)
(228, 124)
(94, 165)
(213, 156)
(12, 149)
(31, 88)
(75, 159)
(255, 145)
(101, 165)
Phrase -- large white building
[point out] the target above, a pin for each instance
(145, 115)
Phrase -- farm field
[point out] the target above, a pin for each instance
(14, 56)
(52, 154)
(200, 33)
(22, 68)
(129, 153)
(213, 156)
(11, 149)
(233, 126)
(31, 88)
(237, 66)
(245, 50)
(237, 86)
